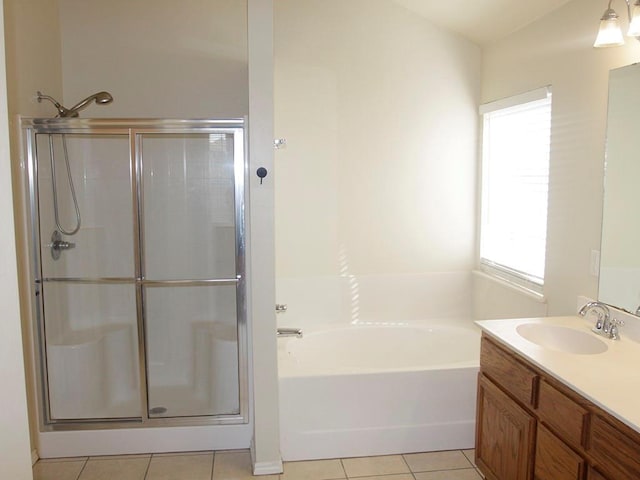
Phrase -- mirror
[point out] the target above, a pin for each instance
(619, 283)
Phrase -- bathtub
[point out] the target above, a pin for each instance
(379, 388)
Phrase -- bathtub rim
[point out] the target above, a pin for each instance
(287, 369)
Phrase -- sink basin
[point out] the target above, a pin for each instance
(562, 339)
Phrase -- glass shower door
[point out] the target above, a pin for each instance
(87, 279)
(191, 213)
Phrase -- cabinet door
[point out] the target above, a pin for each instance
(554, 460)
(505, 435)
(595, 475)
(613, 451)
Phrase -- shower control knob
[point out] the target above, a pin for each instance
(261, 173)
(57, 245)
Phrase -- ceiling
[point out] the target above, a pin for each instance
(482, 21)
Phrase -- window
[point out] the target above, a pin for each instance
(515, 184)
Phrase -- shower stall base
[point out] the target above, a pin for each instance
(123, 441)
(139, 294)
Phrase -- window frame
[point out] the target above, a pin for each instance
(522, 280)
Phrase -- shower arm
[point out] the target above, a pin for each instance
(62, 111)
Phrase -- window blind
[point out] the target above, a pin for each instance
(515, 183)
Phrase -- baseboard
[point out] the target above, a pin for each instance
(34, 456)
(267, 468)
(264, 468)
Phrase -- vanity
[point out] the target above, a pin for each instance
(557, 402)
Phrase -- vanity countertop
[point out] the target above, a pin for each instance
(610, 379)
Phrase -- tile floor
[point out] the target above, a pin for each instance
(236, 465)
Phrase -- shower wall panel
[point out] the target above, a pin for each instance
(189, 209)
(99, 166)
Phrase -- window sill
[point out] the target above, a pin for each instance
(538, 297)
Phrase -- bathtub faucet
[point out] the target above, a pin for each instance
(289, 332)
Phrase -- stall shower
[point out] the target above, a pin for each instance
(137, 269)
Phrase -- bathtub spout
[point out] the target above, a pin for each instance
(289, 332)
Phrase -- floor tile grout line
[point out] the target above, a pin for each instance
(82, 469)
(468, 459)
(146, 470)
(381, 475)
(344, 470)
(456, 469)
(407, 464)
(213, 462)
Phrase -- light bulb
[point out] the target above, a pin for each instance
(634, 22)
(610, 34)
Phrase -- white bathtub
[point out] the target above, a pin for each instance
(356, 390)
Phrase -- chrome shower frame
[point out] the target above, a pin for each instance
(135, 129)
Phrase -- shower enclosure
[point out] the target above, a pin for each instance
(140, 314)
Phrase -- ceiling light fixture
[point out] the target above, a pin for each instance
(610, 33)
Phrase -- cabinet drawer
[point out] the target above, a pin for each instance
(566, 417)
(614, 452)
(554, 460)
(503, 368)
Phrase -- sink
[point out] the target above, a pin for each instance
(562, 339)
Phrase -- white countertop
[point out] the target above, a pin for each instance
(610, 379)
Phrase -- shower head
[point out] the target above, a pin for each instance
(101, 98)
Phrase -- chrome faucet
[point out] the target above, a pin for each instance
(603, 316)
(289, 332)
(605, 325)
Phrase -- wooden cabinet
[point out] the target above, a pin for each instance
(555, 460)
(532, 427)
(595, 475)
(513, 376)
(505, 434)
(567, 417)
(615, 451)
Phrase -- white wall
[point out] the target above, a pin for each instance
(15, 455)
(265, 448)
(160, 58)
(378, 107)
(557, 50)
(33, 62)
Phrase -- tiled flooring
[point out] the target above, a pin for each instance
(236, 465)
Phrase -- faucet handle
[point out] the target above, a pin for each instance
(618, 322)
(614, 331)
